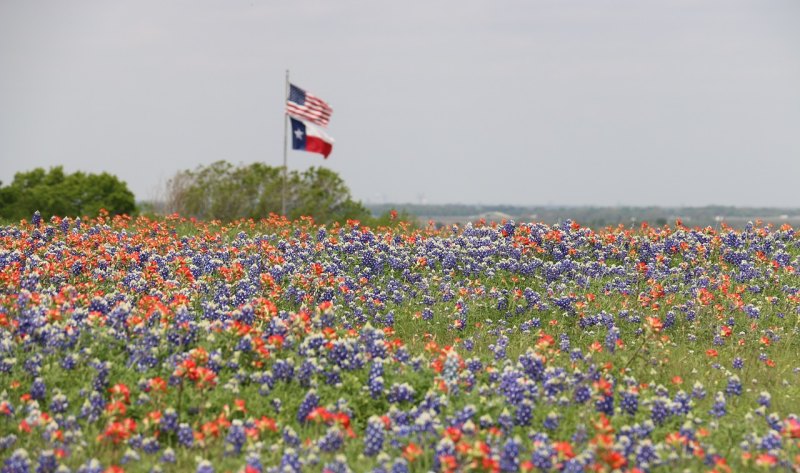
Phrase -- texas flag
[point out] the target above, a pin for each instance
(311, 138)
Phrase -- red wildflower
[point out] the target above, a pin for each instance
(275, 340)
(615, 460)
(411, 452)
(792, 428)
(564, 449)
(156, 384)
(454, 433)
(118, 432)
(239, 405)
(320, 414)
(603, 426)
(655, 324)
(765, 459)
(266, 423)
(116, 408)
(387, 422)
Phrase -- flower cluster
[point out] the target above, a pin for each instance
(271, 346)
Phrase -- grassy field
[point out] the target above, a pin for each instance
(176, 345)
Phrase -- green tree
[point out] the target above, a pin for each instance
(222, 191)
(54, 192)
(322, 194)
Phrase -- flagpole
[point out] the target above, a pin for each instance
(285, 147)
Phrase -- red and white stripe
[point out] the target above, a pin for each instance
(315, 110)
(317, 141)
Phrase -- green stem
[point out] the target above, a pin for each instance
(180, 397)
(635, 354)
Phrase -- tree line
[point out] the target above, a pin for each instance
(55, 192)
(219, 191)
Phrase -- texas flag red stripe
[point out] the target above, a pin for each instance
(318, 145)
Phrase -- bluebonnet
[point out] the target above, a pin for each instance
(523, 413)
(719, 408)
(308, 404)
(401, 392)
(373, 436)
(204, 466)
(605, 404)
(185, 435)
(332, 441)
(629, 402)
(375, 380)
(551, 421)
(38, 389)
(47, 462)
(18, 462)
(290, 462)
(659, 410)
(734, 387)
(509, 456)
(236, 437)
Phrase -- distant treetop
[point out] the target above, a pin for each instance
(222, 191)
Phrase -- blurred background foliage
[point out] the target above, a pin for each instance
(55, 192)
(219, 191)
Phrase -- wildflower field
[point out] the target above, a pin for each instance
(173, 345)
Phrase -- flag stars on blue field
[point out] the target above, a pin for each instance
(297, 95)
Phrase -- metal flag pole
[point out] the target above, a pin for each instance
(285, 147)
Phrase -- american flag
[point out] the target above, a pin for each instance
(302, 104)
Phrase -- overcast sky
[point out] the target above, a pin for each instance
(518, 102)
